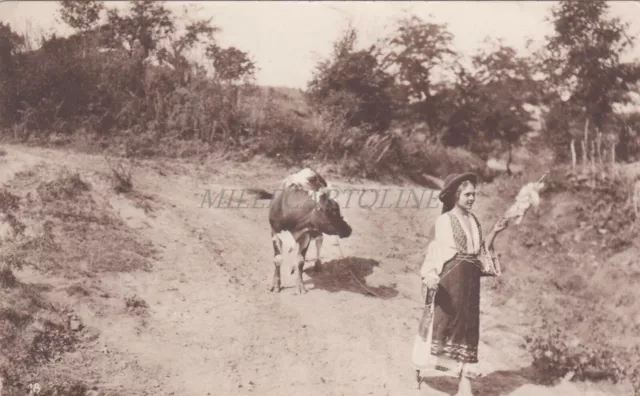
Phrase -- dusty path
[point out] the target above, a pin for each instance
(213, 328)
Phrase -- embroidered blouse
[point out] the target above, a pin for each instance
(452, 237)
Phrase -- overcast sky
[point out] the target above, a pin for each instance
(288, 38)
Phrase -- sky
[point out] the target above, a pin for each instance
(288, 38)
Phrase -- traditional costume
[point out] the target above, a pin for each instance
(448, 336)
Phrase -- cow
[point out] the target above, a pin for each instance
(309, 180)
(296, 217)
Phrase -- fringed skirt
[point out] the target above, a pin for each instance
(449, 331)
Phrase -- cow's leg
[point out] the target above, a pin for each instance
(277, 260)
(300, 268)
(319, 240)
(304, 246)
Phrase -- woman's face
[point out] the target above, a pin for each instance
(467, 196)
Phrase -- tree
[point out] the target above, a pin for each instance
(506, 85)
(416, 49)
(10, 44)
(460, 109)
(584, 60)
(148, 23)
(230, 64)
(484, 109)
(81, 15)
(353, 83)
(197, 32)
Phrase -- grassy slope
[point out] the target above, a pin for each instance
(568, 266)
(62, 230)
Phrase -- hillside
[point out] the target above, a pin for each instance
(172, 297)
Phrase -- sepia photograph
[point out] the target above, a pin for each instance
(324, 198)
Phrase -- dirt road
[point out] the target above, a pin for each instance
(211, 326)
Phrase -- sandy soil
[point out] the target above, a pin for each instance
(211, 326)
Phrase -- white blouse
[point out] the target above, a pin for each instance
(443, 247)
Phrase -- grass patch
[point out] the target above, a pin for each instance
(33, 333)
(135, 305)
(8, 201)
(66, 187)
(73, 234)
(122, 179)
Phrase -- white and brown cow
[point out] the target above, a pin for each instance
(309, 180)
(302, 212)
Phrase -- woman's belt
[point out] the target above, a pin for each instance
(466, 256)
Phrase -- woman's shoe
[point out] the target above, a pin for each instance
(464, 388)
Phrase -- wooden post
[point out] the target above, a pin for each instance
(585, 143)
(593, 160)
(599, 146)
(636, 197)
(509, 159)
(613, 155)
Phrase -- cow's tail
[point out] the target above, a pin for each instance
(260, 193)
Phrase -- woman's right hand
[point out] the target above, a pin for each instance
(431, 280)
(501, 225)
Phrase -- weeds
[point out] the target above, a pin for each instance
(63, 188)
(136, 305)
(7, 279)
(8, 201)
(16, 384)
(16, 225)
(67, 388)
(122, 179)
(608, 206)
(32, 333)
(554, 356)
(51, 341)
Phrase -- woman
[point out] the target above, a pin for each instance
(452, 270)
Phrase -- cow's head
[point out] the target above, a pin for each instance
(328, 219)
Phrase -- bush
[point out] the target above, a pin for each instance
(607, 204)
(554, 356)
(57, 85)
(360, 151)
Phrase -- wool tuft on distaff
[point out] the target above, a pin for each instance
(528, 196)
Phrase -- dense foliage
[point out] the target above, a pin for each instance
(129, 73)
